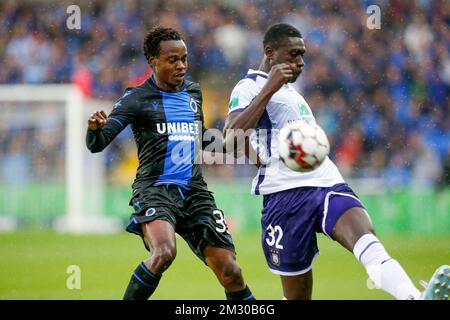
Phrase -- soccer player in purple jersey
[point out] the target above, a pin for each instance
(297, 205)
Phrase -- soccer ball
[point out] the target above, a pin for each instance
(303, 146)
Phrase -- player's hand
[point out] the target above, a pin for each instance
(279, 75)
(97, 120)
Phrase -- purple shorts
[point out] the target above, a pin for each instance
(291, 218)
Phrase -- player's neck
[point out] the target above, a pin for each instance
(166, 86)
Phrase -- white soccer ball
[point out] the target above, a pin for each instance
(303, 146)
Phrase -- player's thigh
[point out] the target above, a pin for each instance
(155, 216)
(298, 287)
(203, 225)
(352, 225)
(159, 234)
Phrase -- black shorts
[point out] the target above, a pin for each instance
(193, 214)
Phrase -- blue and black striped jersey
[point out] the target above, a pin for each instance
(167, 128)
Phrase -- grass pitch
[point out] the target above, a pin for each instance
(34, 264)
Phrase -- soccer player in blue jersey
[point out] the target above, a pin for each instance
(169, 193)
(297, 205)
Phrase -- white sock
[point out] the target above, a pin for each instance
(384, 271)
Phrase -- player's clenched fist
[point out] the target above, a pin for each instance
(279, 75)
(97, 120)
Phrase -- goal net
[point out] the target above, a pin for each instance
(48, 178)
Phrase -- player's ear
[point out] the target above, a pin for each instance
(268, 50)
(152, 61)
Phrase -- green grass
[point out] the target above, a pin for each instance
(33, 266)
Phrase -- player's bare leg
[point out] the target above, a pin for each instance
(223, 263)
(298, 287)
(159, 235)
(351, 226)
(354, 231)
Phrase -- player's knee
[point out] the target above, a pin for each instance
(231, 274)
(163, 257)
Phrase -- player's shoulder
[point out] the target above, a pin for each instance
(194, 90)
(251, 81)
(192, 86)
(131, 98)
(244, 92)
(247, 86)
(298, 94)
(134, 93)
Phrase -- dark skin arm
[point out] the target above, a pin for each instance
(248, 119)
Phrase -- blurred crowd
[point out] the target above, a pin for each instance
(382, 95)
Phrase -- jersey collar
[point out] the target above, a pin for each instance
(152, 82)
(257, 72)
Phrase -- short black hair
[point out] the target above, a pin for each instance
(155, 36)
(277, 34)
